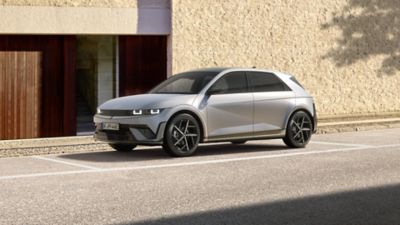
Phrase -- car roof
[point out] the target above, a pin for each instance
(231, 69)
(213, 69)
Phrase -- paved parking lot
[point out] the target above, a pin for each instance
(344, 178)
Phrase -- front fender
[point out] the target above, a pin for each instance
(192, 110)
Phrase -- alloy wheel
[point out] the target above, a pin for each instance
(299, 130)
(183, 136)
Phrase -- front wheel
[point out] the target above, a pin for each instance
(123, 147)
(298, 130)
(182, 136)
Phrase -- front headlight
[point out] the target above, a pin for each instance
(154, 111)
(146, 112)
(98, 111)
(137, 112)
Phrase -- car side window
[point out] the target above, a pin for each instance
(234, 82)
(266, 82)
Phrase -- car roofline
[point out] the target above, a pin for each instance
(233, 69)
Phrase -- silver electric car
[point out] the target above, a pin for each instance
(210, 105)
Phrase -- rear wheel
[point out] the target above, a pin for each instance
(298, 130)
(182, 136)
(123, 147)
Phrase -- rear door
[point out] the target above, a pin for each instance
(273, 100)
(230, 107)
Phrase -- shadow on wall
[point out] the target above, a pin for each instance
(378, 205)
(369, 28)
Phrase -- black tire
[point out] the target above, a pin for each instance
(298, 130)
(123, 147)
(238, 142)
(182, 136)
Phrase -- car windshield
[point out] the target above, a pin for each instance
(185, 83)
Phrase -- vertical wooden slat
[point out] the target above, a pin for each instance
(36, 98)
(16, 79)
(69, 56)
(18, 76)
(2, 91)
(25, 115)
(8, 92)
(5, 97)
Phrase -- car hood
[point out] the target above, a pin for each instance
(148, 101)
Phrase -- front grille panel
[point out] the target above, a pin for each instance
(119, 135)
(116, 112)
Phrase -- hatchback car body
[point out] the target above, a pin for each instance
(210, 105)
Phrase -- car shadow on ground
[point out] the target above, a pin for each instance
(377, 205)
(158, 153)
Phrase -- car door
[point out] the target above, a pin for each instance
(273, 100)
(229, 107)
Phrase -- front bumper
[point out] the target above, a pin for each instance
(146, 130)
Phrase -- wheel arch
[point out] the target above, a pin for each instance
(297, 109)
(195, 116)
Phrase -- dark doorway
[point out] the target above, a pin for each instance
(95, 77)
(112, 66)
(142, 63)
(37, 86)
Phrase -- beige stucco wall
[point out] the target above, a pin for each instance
(343, 51)
(105, 17)
(87, 3)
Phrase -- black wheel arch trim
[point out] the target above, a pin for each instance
(313, 118)
(195, 116)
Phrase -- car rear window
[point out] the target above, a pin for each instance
(266, 82)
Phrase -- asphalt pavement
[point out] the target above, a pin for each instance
(342, 178)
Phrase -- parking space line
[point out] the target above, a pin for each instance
(339, 144)
(194, 163)
(67, 163)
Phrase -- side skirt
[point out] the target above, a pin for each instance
(256, 136)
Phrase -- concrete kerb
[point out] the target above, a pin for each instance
(357, 125)
(75, 144)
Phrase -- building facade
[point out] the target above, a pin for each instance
(60, 59)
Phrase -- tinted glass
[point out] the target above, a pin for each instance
(185, 83)
(234, 82)
(266, 82)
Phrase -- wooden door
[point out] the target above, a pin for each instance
(37, 86)
(20, 76)
(142, 63)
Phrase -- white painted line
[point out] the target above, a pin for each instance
(67, 163)
(214, 161)
(339, 144)
(45, 174)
